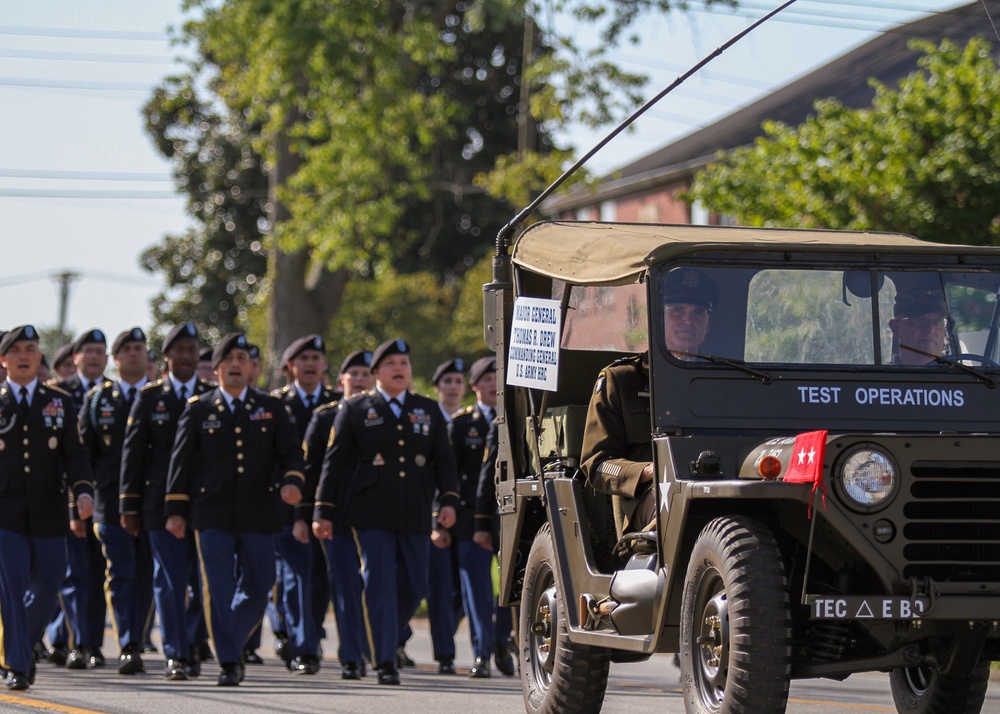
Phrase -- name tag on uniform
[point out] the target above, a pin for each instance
(160, 417)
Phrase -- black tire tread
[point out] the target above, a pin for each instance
(945, 695)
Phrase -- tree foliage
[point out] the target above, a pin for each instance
(924, 159)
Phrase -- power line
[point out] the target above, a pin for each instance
(87, 57)
(85, 34)
(103, 276)
(83, 193)
(76, 84)
(82, 175)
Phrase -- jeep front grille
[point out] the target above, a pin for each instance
(952, 531)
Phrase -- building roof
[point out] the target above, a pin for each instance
(885, 58)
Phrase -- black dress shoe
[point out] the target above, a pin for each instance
(31, 674)
(446, 666)
(175, 670)
(77, 659)
(129, 661)
(305, 665)
(230, 675)
(480, 669)
(39, 651)
(387, 674)
(94, 657)
(504, 661)
(350, 670)
(403, 659)
(251, 657)
(193, 664)
(282, 650)
(58, 655)
(16, 681)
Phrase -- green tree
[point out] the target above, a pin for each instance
(924, 159)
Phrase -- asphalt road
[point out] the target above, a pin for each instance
(651, 687)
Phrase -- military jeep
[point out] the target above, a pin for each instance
(827, 496)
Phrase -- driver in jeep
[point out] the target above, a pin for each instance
(617, 451)
(919, 325)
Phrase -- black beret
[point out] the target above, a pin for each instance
(919, 301)
(187, 329)
(45, 362)
(94, 336)
(254, 351)
(205, 355)
(134, 335)
(62, 354)
(358, 358)
(24, 333)
(690, 286)
(232, 341)
(309, 342)
(453, 365)
(482, 366)
(389, 347)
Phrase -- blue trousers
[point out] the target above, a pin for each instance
(475, 565)
(388, 557)
(237, 573)
(297, 584)
(440, 601)
(31, 571)
(83, 608)
(171, 567)
(346, 585)
(120, 551)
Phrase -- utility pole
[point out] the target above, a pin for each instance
(64, 279)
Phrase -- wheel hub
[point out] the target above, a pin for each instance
(545, 614)
(713, 645)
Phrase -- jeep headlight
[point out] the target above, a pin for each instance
(868, 479)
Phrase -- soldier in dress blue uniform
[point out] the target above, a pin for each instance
(299, 552)
(103, 420)
(79, 626)
(236, 453)
(355, 377)
(39, 448)
(388, 452)
(475, 558)
(149, 441)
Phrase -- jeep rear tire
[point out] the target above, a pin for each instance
(736, 637)
(557, 676)
(923, 690)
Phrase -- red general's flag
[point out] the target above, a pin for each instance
(807, 463)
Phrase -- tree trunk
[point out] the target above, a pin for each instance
(304, 296)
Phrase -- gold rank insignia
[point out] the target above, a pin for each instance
(53, 442)
(107, 439)
(378, 460)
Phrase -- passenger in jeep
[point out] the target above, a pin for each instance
(919, 325)
(617, 450)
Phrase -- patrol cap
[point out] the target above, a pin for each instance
(62, 354)
(232, 341)
(309, 342)
(134, 335)
(388, 348)
(453, 365)
(358, 358)
(690, 286)
(919, 301)
(185, 330)
(24, 333)
(482, 367)
(93, 336)
(205, 355)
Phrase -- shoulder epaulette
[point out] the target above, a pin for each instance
(327, 406)
(282, 391)
(150, 385)
(463, 412)
(98, 387)
(627, 358)
(195, 398)
(58, 390)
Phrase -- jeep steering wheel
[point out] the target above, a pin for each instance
(980, 359)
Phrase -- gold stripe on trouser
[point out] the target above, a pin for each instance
(364, 602)
(150, 619)
(71, 635)
(206, 598)
(107, 586)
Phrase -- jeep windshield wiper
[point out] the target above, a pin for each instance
(762, 376)
(981, 376)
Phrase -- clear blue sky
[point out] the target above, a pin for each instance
(82, 189)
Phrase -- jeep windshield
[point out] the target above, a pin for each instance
(802, 315)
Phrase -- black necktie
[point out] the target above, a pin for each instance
(22, 404)
(237, 405)
(310, 400)
(184, 393)
(395, 402)
(131, 394)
